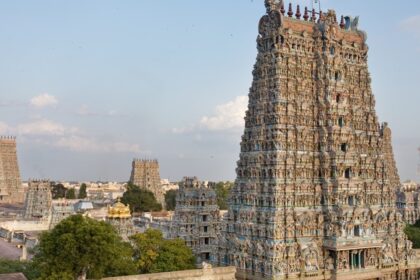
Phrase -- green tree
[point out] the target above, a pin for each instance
(81, 247)
(71, 194)
(82, 191)
(58, 191)
(413, 234)
(170, 199)
(15, 266)
(154, 254)
(140, 200)
(222, 190)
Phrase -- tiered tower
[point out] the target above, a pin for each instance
(11, 189)
(38, 201)
(315, 190)
(145, 174)
(196, 218)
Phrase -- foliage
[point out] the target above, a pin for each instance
(170, 199)
(222, 190)
(58, 191)
(78, 247)
(154, 254)
(15, 266)
(82, 191)
(413, 234)
(71, 194)
(140, 200)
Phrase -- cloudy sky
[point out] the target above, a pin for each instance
(88, 85)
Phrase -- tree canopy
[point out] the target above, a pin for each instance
(222, 190)
(71, 194)
(413, 234)
(58, 191)
(15, 266)
(80, 247)
(154, 254)
(170, 199)
(82, 191)
(140, 199)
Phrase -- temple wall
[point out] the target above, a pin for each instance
(219, 273)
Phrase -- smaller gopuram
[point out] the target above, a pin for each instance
(196, 219)
(408, 202)
(119, 216)
(11, 189)
(145, 174)
(38, 202)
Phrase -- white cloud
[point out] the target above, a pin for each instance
(82, 144)
(43, 100)
(227, 116)
(411, 24)
(48, 132)
(85, 111)
(43, 127)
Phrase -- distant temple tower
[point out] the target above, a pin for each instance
(119, 216)
(314, 196)
(38, 201)
(196, 219)
(145, 174)
(11, 189)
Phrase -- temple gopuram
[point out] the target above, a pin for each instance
(315, 193)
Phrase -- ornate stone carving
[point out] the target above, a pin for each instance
(316, 176)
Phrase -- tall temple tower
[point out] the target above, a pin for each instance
(314, 196)
(196, 218)
(38, 200)
(11, 189)
(145, 174)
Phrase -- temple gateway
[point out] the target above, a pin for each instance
(314, 196)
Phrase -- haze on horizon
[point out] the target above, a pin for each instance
(89, 85)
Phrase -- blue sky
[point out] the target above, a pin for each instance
(88, 85)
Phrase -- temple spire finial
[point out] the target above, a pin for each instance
(298, 14)
(342, 23)
(306, 14)
(290, 12)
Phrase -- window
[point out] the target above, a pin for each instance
(347, 173)
(206, 241)
(351, 200)
(337, 76)
(332, 50)
(341, 121)
(344, 147)
(205, 229)
(338, 98)
(357, 230)
(204, 218)
(203, 203)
